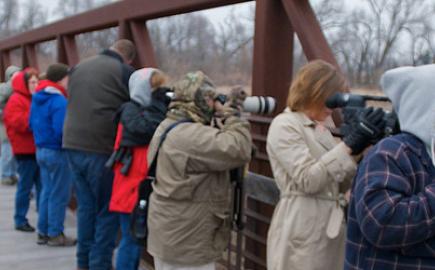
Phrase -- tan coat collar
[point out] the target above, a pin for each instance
(303, 117)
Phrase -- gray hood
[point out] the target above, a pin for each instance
(140, 86)
(10, 71)
(412, 92)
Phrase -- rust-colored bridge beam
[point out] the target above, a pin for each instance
(137, 31)
(29, 58)
(5, 61)
(109, 16)
(67, 52)
(307, 27)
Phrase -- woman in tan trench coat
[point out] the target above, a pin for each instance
(312, 171)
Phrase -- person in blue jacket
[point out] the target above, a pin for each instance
(47, 115)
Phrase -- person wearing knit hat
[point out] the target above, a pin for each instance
(391, 210)
(47, 115)
(8, 166)
(138, 119)
(56, 72)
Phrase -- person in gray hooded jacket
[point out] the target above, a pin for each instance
(392, 208)
(8, 167)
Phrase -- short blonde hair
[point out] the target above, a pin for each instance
(313, 84)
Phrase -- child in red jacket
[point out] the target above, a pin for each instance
(139, 119)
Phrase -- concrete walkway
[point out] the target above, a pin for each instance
(19, 251)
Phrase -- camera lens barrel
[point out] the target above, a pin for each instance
(259, 105)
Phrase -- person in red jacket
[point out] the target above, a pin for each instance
(16, 119)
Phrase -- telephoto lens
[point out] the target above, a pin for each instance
(252, 104)
(259, 105)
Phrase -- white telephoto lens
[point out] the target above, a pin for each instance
(259, 105)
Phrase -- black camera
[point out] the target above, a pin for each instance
(353, 105)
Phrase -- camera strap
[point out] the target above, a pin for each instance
(153, 166)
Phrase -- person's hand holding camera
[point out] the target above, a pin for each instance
(369, 127)
(160, 95)
(233, 104)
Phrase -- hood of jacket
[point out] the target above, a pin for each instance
(10, 71)
(19, 84)
(412, 92)
(140, 86)
(51, 87)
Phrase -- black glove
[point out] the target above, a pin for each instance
(368, 128)
(160, 95)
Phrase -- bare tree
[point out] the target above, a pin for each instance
(34, 16)
(8, 17)
(375, 38)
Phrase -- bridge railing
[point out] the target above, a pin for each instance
(276, 24)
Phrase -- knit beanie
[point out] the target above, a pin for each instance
(56, 72)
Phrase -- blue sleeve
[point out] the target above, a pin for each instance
(58, 114)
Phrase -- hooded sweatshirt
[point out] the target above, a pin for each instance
(412, 92)
(47, 114)
(16, 117)
(147, 108)
(139, 119)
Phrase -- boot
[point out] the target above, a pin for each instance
(61, 241)
(42, 239)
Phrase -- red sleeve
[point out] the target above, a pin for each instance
(16, 115)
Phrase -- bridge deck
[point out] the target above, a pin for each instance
(19, 251)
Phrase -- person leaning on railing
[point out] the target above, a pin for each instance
(312, 171)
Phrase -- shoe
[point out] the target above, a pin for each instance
(15, 179)
(42, 239)
(8, 181)
(25, 228)
(61, 241)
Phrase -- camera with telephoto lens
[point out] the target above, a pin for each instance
(353, 105)
(253, 104)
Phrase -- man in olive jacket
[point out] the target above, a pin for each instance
(189, 219)
(97, 88)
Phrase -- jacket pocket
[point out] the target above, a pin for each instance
(222, 231)
(306, 229)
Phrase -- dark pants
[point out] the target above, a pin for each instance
(28, 172)
(97, 227)
(128, 250)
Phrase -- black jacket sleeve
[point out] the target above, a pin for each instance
(139, 123)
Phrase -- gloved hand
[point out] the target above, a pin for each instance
(369, 127)
(160, 95)
(236, 98)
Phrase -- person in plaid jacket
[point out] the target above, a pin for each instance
(391, 223)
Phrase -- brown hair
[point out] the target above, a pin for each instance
(158, 78)
(125, 48)
(29, 73)
(313, 84)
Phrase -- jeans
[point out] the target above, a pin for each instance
(28, 172)
(56, 190)
(8, 165)
(128, 251)
(96, 227)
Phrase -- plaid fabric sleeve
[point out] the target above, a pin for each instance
(390, 215)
